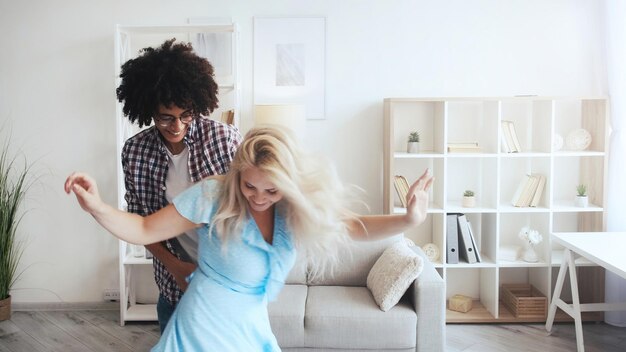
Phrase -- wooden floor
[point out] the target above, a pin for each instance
(98, 330)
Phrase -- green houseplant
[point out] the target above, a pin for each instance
(13, 186)
(581, 196)
(413, 143)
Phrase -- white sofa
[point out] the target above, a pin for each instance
(339, 313)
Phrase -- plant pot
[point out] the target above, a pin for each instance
(413, 147)
(529, 255)
(5, 309)
(469, 202)
(581, 201)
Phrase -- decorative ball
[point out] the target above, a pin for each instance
(578, 139)
(432, 251)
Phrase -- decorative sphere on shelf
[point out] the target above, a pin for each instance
(578, 139)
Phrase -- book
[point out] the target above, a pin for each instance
(539, 192)
(463, 147)
(520, 189)
(529, 191)
(402, 188)
(452, 239)
(474, 243)
(508, 137)
(518, 147)
(466, 249)
(504, 143)
(228, 116)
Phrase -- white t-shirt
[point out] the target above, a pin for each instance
(176, 181)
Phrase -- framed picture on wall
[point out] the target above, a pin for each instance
(289, 63)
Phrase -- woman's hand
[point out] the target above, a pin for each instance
(86, 191)
(417, 199)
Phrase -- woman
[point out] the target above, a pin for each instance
(272, 200)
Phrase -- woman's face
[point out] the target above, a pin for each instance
(260, 193)
(168, 121)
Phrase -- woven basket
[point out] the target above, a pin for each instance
(5, 309)
(524, 301)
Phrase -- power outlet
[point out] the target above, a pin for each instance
(111, 294)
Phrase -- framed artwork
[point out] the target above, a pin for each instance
(289, 63)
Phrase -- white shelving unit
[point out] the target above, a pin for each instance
(494, 175)
(128, 41)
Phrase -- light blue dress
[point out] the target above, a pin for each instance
(225, 306)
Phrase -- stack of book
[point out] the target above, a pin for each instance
(402, 187)
(510, 142)
(468, 147)
(228, 117)
(529, 191)
(460, 240)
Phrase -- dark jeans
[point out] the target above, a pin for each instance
(164, 312)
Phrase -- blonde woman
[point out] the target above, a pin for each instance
(273, 199)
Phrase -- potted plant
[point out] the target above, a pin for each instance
(13, 186)
(413, 144)
(469, 201)
(581, 198)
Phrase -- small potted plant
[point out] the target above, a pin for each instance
(413, 144)
(469, 201)
(581, 197)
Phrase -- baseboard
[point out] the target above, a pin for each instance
(43, 306)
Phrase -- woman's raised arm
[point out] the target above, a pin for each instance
(161, 225)
(379, 226)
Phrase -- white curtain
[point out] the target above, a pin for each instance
(615, 15)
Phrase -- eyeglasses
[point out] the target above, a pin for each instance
(165, 120)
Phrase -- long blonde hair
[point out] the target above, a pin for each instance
(315, 202)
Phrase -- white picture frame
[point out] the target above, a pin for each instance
(289, 63)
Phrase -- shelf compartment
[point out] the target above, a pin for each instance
(412, 169)
(571, 172)
(476, 283)
(532, 120)
(473, 121)
(425, 117)
(589, 114)
(513, 176)
(478, 174)
(429, 232)
(510, 226)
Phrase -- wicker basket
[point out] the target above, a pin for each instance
(524, 301)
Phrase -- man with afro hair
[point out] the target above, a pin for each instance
(174, 88)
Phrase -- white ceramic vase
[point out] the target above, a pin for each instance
(469, 202)
(582, 201)
(529, 255)
(413, 147)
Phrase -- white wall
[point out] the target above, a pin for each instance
(57, 93)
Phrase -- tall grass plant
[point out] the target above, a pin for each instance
(14, 182)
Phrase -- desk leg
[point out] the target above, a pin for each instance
(557, 291)
(575, 302)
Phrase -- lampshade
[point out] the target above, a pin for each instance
(285, 115)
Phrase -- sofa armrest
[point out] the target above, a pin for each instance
(428, 294)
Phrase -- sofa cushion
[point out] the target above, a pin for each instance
(355, 263)
(347, 317)
(287, 315)
(392, 274)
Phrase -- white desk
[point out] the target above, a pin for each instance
(603, 248)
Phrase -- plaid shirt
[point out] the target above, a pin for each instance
(211, 145)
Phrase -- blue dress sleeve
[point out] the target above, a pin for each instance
(198, 202)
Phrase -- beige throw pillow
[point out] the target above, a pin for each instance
(392, 274)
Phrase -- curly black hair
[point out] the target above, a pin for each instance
(171, 74)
